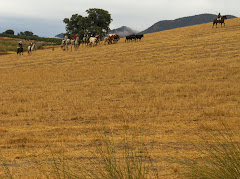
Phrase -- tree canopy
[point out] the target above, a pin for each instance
(97, 21)
(10, 31)
(26, 33)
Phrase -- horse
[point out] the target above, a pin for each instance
(77, 43)
(72, 43)
(216, 21)
(31, 48)
(106, 40)
(99, 37)
(85, 40)
(65, 44)
(113, 38)
(93, 41)
(20, 50)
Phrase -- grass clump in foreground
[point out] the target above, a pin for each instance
(134, 162)
(219, 158)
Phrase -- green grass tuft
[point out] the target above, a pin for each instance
(219, 158)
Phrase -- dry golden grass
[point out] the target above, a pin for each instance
(167, 89)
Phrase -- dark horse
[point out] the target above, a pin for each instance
(20, 50)
(99, 37)
(216, 21)
(85, 40)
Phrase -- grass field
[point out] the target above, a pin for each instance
(166, 90)
(9, 45)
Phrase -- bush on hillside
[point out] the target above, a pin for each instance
(9, 32)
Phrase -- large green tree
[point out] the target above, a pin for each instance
(97, 21)
(76, 24)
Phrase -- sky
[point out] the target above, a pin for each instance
(45, 17)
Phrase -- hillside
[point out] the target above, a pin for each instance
(182, 22)
(123, 31)
(166, 91)
(61, 36)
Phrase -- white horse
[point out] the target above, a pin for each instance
(76, 45)
(31, 48)
(65, 44)
(93, 41)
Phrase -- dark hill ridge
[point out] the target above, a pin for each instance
(123, 31)
(61, 36)
(182, 22)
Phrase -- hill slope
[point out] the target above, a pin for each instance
(167, 90)
(61, 36)
(123, 31)
(182, 22)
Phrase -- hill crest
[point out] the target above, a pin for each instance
(182, 22)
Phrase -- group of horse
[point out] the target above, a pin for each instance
(111, 39)
(30, 49)
(134, 37)
(89, 41)
(75, 43)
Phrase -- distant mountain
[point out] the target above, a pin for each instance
(61, 36)
(123, 31)
(182, 22)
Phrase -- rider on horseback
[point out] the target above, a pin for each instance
(219, 16)
(31, 44)
(20, 44)
(20, 48)
(85, 34)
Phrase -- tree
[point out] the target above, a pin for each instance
(97, 21)
(76, 24)
(9, 32)
(26, 33)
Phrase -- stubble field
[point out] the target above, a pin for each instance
(167, 89)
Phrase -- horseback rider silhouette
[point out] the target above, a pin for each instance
(85, 38)
(20, 48)
(20, 44)
(219, 16)
(31, 44)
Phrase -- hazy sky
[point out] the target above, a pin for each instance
(44, 17)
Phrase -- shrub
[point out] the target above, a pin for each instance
(220, 158)
(106, 162)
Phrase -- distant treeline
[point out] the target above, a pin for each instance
(54, 41)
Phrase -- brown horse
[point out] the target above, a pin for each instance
(20, 50)
(216, 21)
(99, 37)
